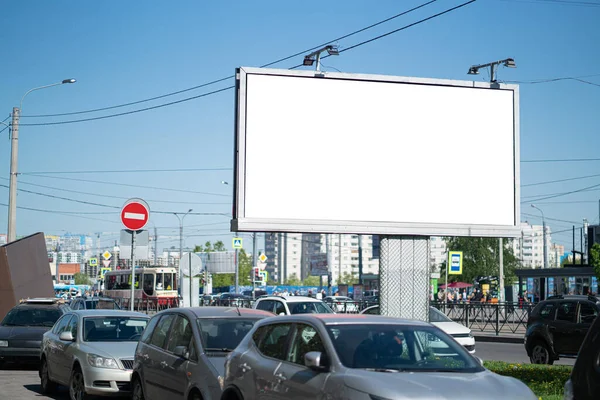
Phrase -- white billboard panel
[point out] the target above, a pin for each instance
(375, 154)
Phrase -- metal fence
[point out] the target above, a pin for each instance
(494, 318)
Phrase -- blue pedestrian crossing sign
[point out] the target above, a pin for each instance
(237, 243)
(455, 259)
(93, 262)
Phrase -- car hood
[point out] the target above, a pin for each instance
(124, 350)
(452, 328)
(23, 332)
(437, 385)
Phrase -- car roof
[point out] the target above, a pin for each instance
(213, 312)
(108, 313)
(95, 298)
(292, 299)
(344, 319)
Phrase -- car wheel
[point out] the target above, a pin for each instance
(46, 384)
(77, 385)
(540, 353)
(137, 391)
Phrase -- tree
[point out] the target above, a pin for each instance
(244, 268)
(81, 279)
(480, 258)
(208, 247)
(347, 279)
(198, 248)
(311, 281)
(293, 280)
(220, 280)
(219, 246)
(595, 258)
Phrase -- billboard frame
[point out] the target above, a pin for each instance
(241, 224)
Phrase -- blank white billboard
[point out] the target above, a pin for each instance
(375, 154)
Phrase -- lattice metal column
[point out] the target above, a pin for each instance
(404, 277)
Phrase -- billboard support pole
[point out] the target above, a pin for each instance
(254, 258)
(403, 276)
(501, 280)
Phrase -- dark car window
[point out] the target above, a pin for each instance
(312, 307)
(547, 311)
(566, 311)
(29, 316)
(587, 313)
(265, 305)
(61, 324)
(180, 334)
(149, 328)
(218, 334)
(160, 333)
(272, 344)
(279, 308)
(101, 304)
(375, 311)
(306, 339)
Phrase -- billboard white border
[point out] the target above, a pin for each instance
(241, 224)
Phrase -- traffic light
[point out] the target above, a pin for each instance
(257, 276)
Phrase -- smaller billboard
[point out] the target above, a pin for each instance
(455, 259)
(318, 264)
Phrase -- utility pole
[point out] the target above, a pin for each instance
(329, 265)
(155, 246)
(360, 261)
(501, 259)
(12, 196)
(254, 264)
(340, 263)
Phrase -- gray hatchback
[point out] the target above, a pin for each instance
(181, 354)
(358, 357)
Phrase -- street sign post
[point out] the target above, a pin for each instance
(134, 216)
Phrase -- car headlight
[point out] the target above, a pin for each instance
(102, 362)
(3, 343)
(221, 382)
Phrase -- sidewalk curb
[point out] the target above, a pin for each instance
(498, 339)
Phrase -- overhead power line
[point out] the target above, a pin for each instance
(231, 87)
(232, 76)
(558, 2)
(561, 180)
(554, 219)
(553, 195)
(127, 171)
(561, 160)
(131, 185)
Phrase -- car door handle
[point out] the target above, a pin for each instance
(280, 377)
(163, 364)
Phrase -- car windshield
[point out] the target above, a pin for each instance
(101, 304)
(113, 329)
(223, 334)
(390, 347)
(436, 315)
(309, 307)
(31, 317)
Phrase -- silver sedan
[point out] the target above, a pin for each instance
(358, 357)
(91, 352)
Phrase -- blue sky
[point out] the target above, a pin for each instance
(122, 52)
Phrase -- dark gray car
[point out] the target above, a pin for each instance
(181, 354)
(358, 357)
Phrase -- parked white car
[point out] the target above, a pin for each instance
(459, 332)
(280, 305)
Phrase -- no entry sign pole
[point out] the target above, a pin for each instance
(134, 216)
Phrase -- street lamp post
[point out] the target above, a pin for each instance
(14, 152)
(543, 235)
(181, 246)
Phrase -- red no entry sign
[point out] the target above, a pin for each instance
(135, 214)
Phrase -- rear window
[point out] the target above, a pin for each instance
(312, 307)
(101, 305)
(32, 316)
(223, 334)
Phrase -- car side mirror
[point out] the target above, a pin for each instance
(66, 336)
(182, 352)
(314, 360)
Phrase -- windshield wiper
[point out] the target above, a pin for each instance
(222, 349)
(383, 369)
